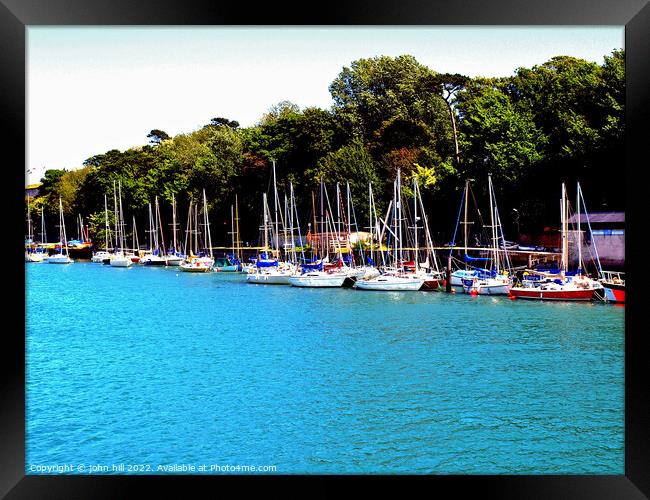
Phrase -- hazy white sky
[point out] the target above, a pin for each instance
(92, 89)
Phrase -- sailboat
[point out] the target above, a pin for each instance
(134, 255)
(203, 261)
(428, 269)
(370, 270)
(394, 278)
(613, 283)
(230, 263)
(81, 247)
(353, 269)
(318, 276)
(174, 257)
(31, 251)
(467, 273)
(119, 257)
(155, 256)
(100, 255)
(62, 257)
(563, 287)
(499, 281)
(324, 274)
(268, 269)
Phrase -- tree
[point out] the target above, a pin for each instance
(498, 137)
(280, 110)
(563, 96)
(371, 92)
(68, 188)
(353, 164)
(224, 122)
(215, 169)
(448, 85)
(157, 136)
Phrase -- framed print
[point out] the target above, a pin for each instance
(378, 246)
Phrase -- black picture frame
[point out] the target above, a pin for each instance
(16, 15)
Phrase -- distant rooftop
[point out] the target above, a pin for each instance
(599, 218)
(34, 186)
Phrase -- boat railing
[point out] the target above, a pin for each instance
(613, 276)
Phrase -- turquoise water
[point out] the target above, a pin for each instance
(151, 366)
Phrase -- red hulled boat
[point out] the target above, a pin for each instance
(554, 291)
(614, 286)
(576, 288)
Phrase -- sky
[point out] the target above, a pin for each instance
(92, 89)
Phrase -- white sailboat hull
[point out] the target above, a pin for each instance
(59, 259)
(121, 261)
(318, 280)
(458, 276)
(391, 284)
(488, 287)
(197, 265)
(268, 278)
(34, 257)
(153, 260)
(173, 260)
(100, 256)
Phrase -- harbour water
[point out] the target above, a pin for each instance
(151, 366)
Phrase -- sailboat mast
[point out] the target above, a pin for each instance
(174, 220)
(121, 218)
(43, 230)
(160, 226)
(563, 222)
(237, 227)
(188, 233)
(338, 210)
(430, 249)
(106, 227)
(266, 229)
(394, 222)
(322, 228)
(295, 209)
(415, 218)
(134, 237)
(584, 205)
(29, 223)
(206, 219)
(196, 227)
(348, 199)
(313, 211)
(117, 229)
(493, 227)
(579, 231)
(64, 239)
(399, 214)
(232, 227)
(150, 229)
(275, 208)
(465, 222)
(370, 225)
(155, 226)
(286, 223)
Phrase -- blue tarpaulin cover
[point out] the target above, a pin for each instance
(267, 263)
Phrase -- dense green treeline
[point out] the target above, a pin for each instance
(560, 121)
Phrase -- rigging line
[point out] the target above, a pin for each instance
(460, 209)
(600, 269)
(354, 217)
(484, 233)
